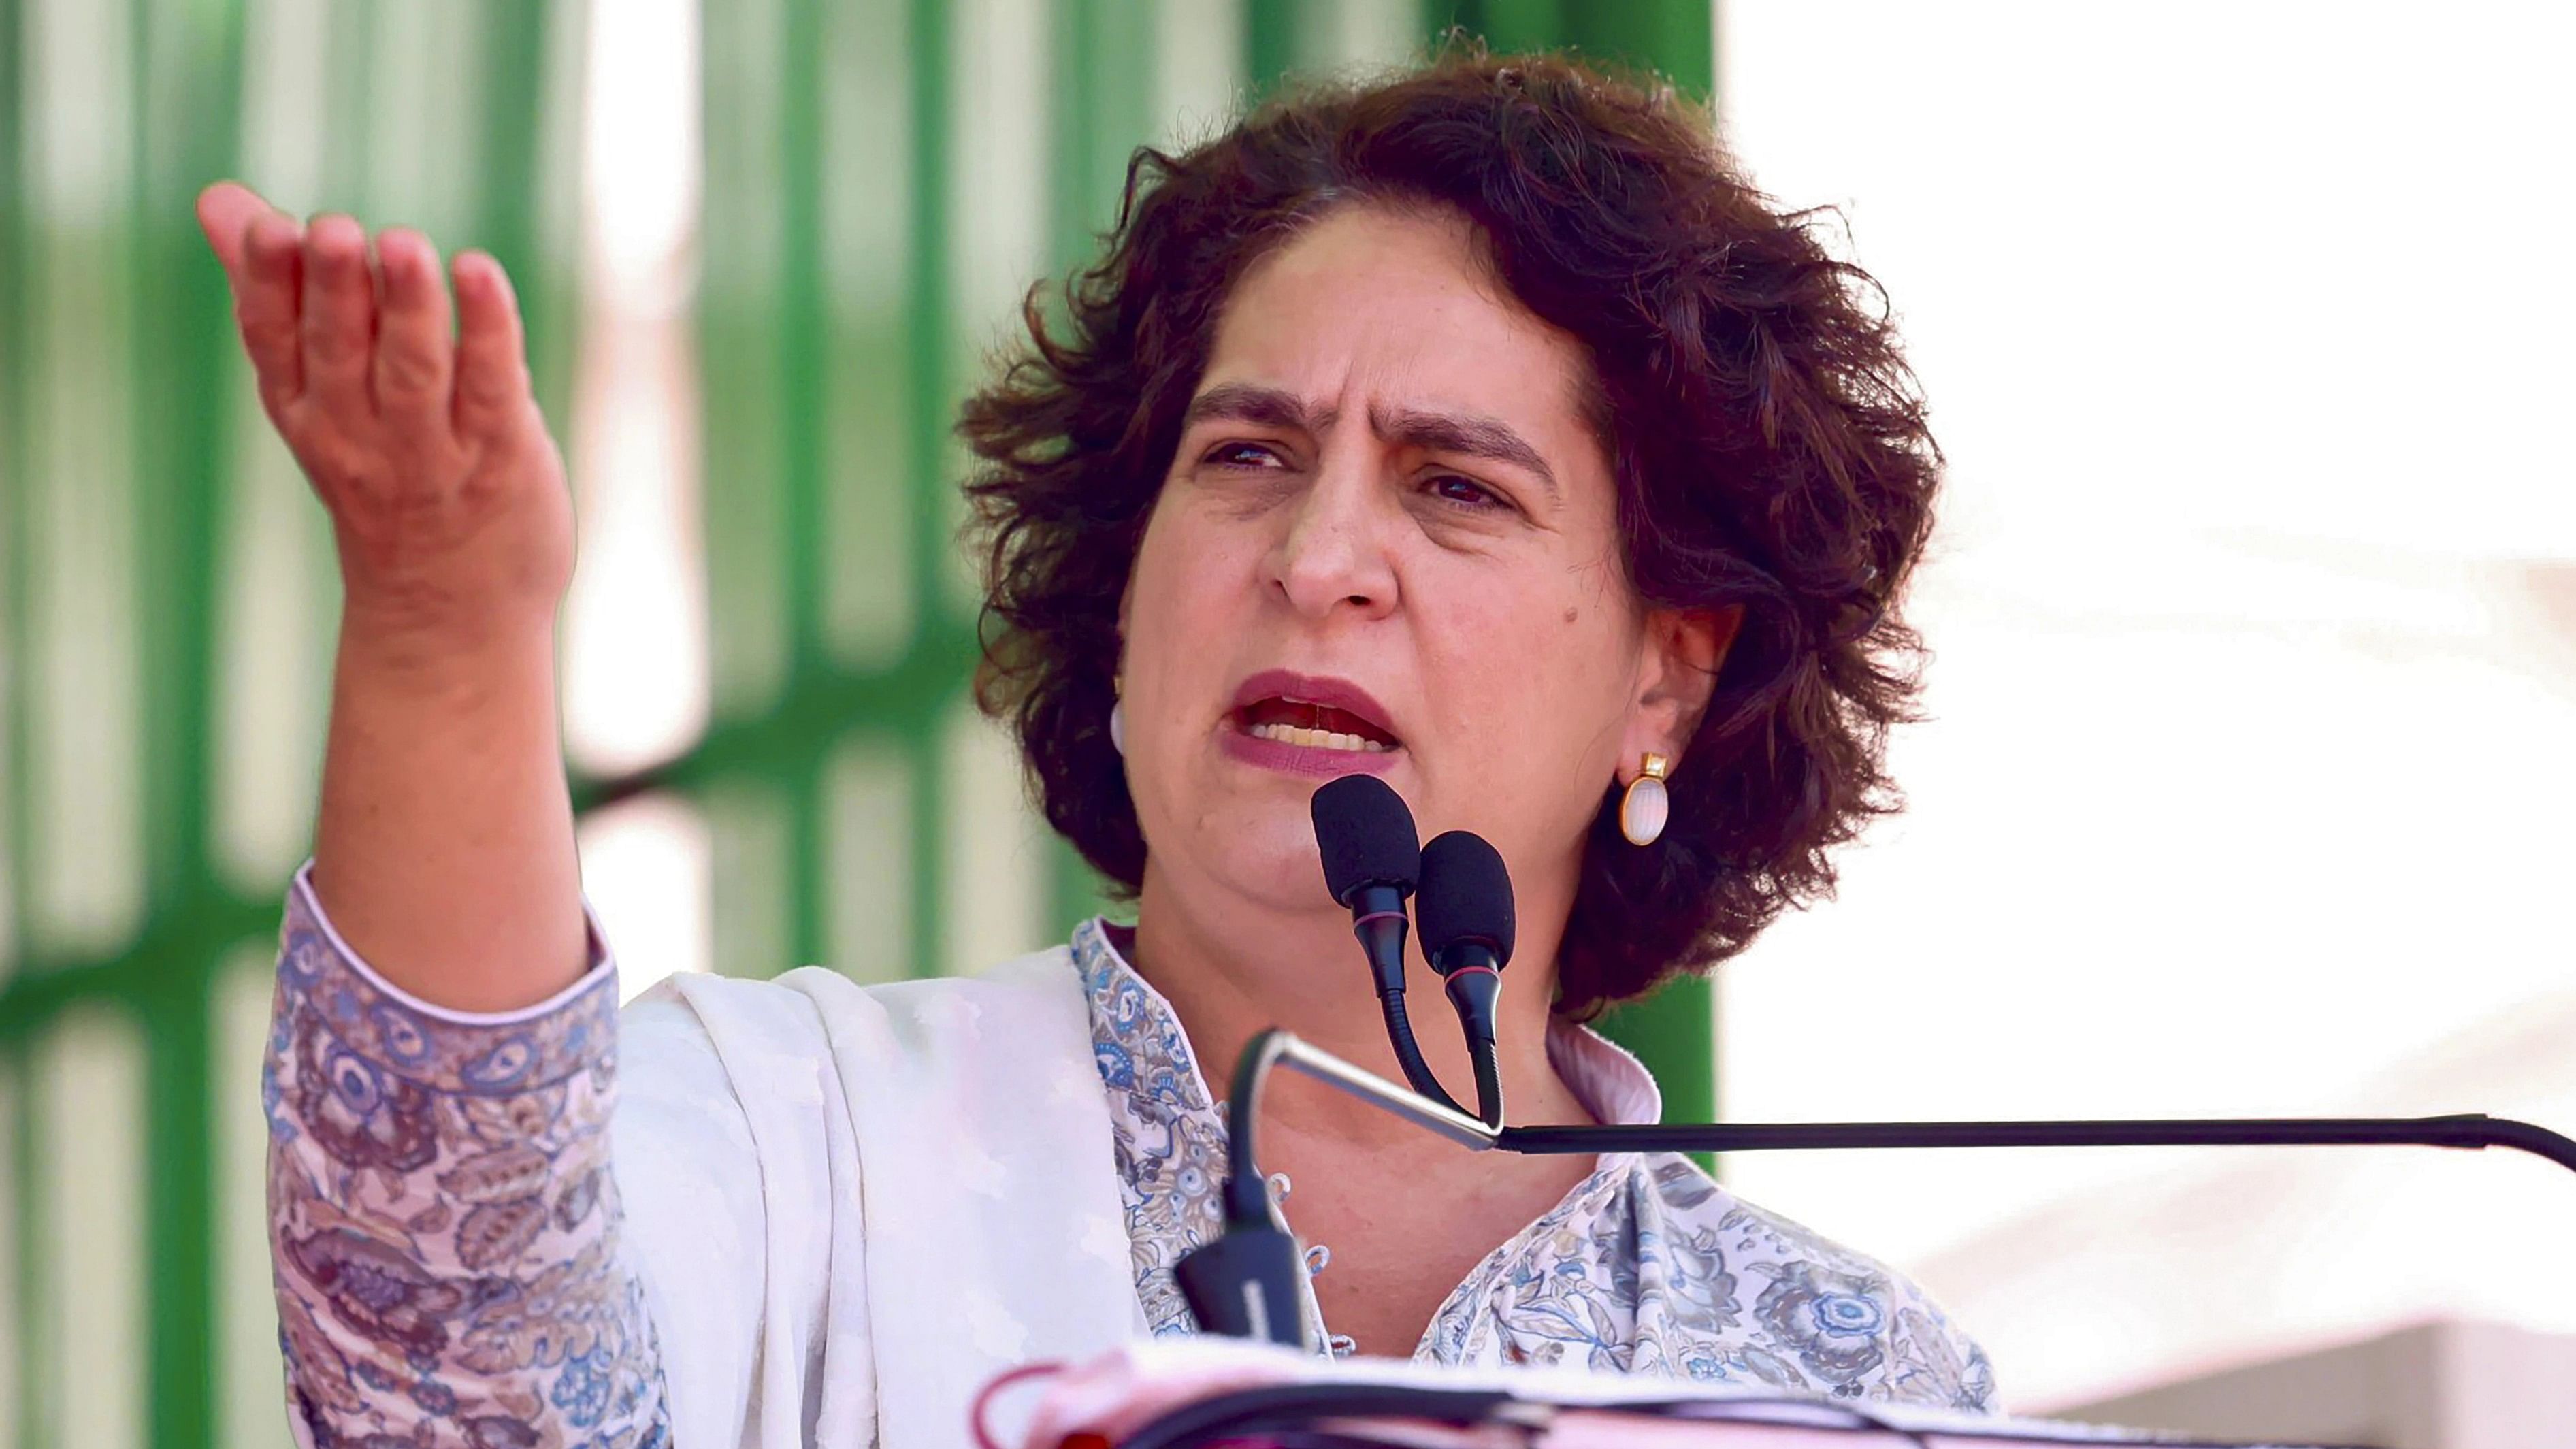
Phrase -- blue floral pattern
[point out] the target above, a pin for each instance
(443, 1224)
(1646, 1267)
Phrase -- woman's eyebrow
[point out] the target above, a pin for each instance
(1467, 433)
(1246, 402)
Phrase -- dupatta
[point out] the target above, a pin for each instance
(851, 1206)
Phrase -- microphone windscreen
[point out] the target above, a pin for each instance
(1466, 896)
(1366, 836)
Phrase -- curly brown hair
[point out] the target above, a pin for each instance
(1767, 438)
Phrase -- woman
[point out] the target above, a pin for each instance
(1481, 430)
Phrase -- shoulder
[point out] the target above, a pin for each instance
(1827, 1315)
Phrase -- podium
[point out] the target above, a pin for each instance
(1196, 1392)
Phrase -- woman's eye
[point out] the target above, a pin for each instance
(1241, 455)
(1465, 492)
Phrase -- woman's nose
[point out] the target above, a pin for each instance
(1335, 554)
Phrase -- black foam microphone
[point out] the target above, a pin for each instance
(1371, 860)
(1465, 911)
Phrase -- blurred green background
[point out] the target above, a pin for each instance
(878, 179)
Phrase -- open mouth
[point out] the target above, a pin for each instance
(1313, 726)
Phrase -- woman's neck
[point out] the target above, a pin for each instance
(1233, 976)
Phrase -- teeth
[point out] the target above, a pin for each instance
(1288, 734)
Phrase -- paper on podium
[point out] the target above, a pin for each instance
(1179, 1393)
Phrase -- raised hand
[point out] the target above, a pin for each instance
(420, 436)
(444, 852)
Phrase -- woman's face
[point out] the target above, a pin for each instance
(1387, 543)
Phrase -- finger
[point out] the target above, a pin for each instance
(338, 326)
(267, 304)
(225, 211)
(491, 357)
(413, 351)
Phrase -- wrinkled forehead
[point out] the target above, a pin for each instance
(1380, 309)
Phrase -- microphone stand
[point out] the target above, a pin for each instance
(1254, 1232)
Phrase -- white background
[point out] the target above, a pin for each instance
(2248, 787)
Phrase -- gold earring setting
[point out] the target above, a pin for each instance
(1646, 806)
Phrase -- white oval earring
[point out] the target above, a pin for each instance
(1118, 727)
(1645, 806)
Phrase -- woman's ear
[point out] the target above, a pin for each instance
(1684, 649)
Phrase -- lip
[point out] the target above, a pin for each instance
(1333, 693)
(1339, 694)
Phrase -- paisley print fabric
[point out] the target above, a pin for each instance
(444, 1225)
(1647, 1266)
(441, 1215)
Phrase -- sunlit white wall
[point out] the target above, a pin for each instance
(635, 639)
(2248, 787)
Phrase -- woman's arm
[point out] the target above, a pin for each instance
(444, 1220)
(445, 845)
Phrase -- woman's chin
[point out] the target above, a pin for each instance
(1243, 827)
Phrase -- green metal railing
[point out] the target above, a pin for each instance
(881, 177)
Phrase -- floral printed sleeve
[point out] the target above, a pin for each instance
(441, 1213)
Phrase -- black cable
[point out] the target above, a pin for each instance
(1299, 1413)
(1489, 1082)
(1859, 1420)
(1408, 1055)
(1250, 1411)
(1294, 1412)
